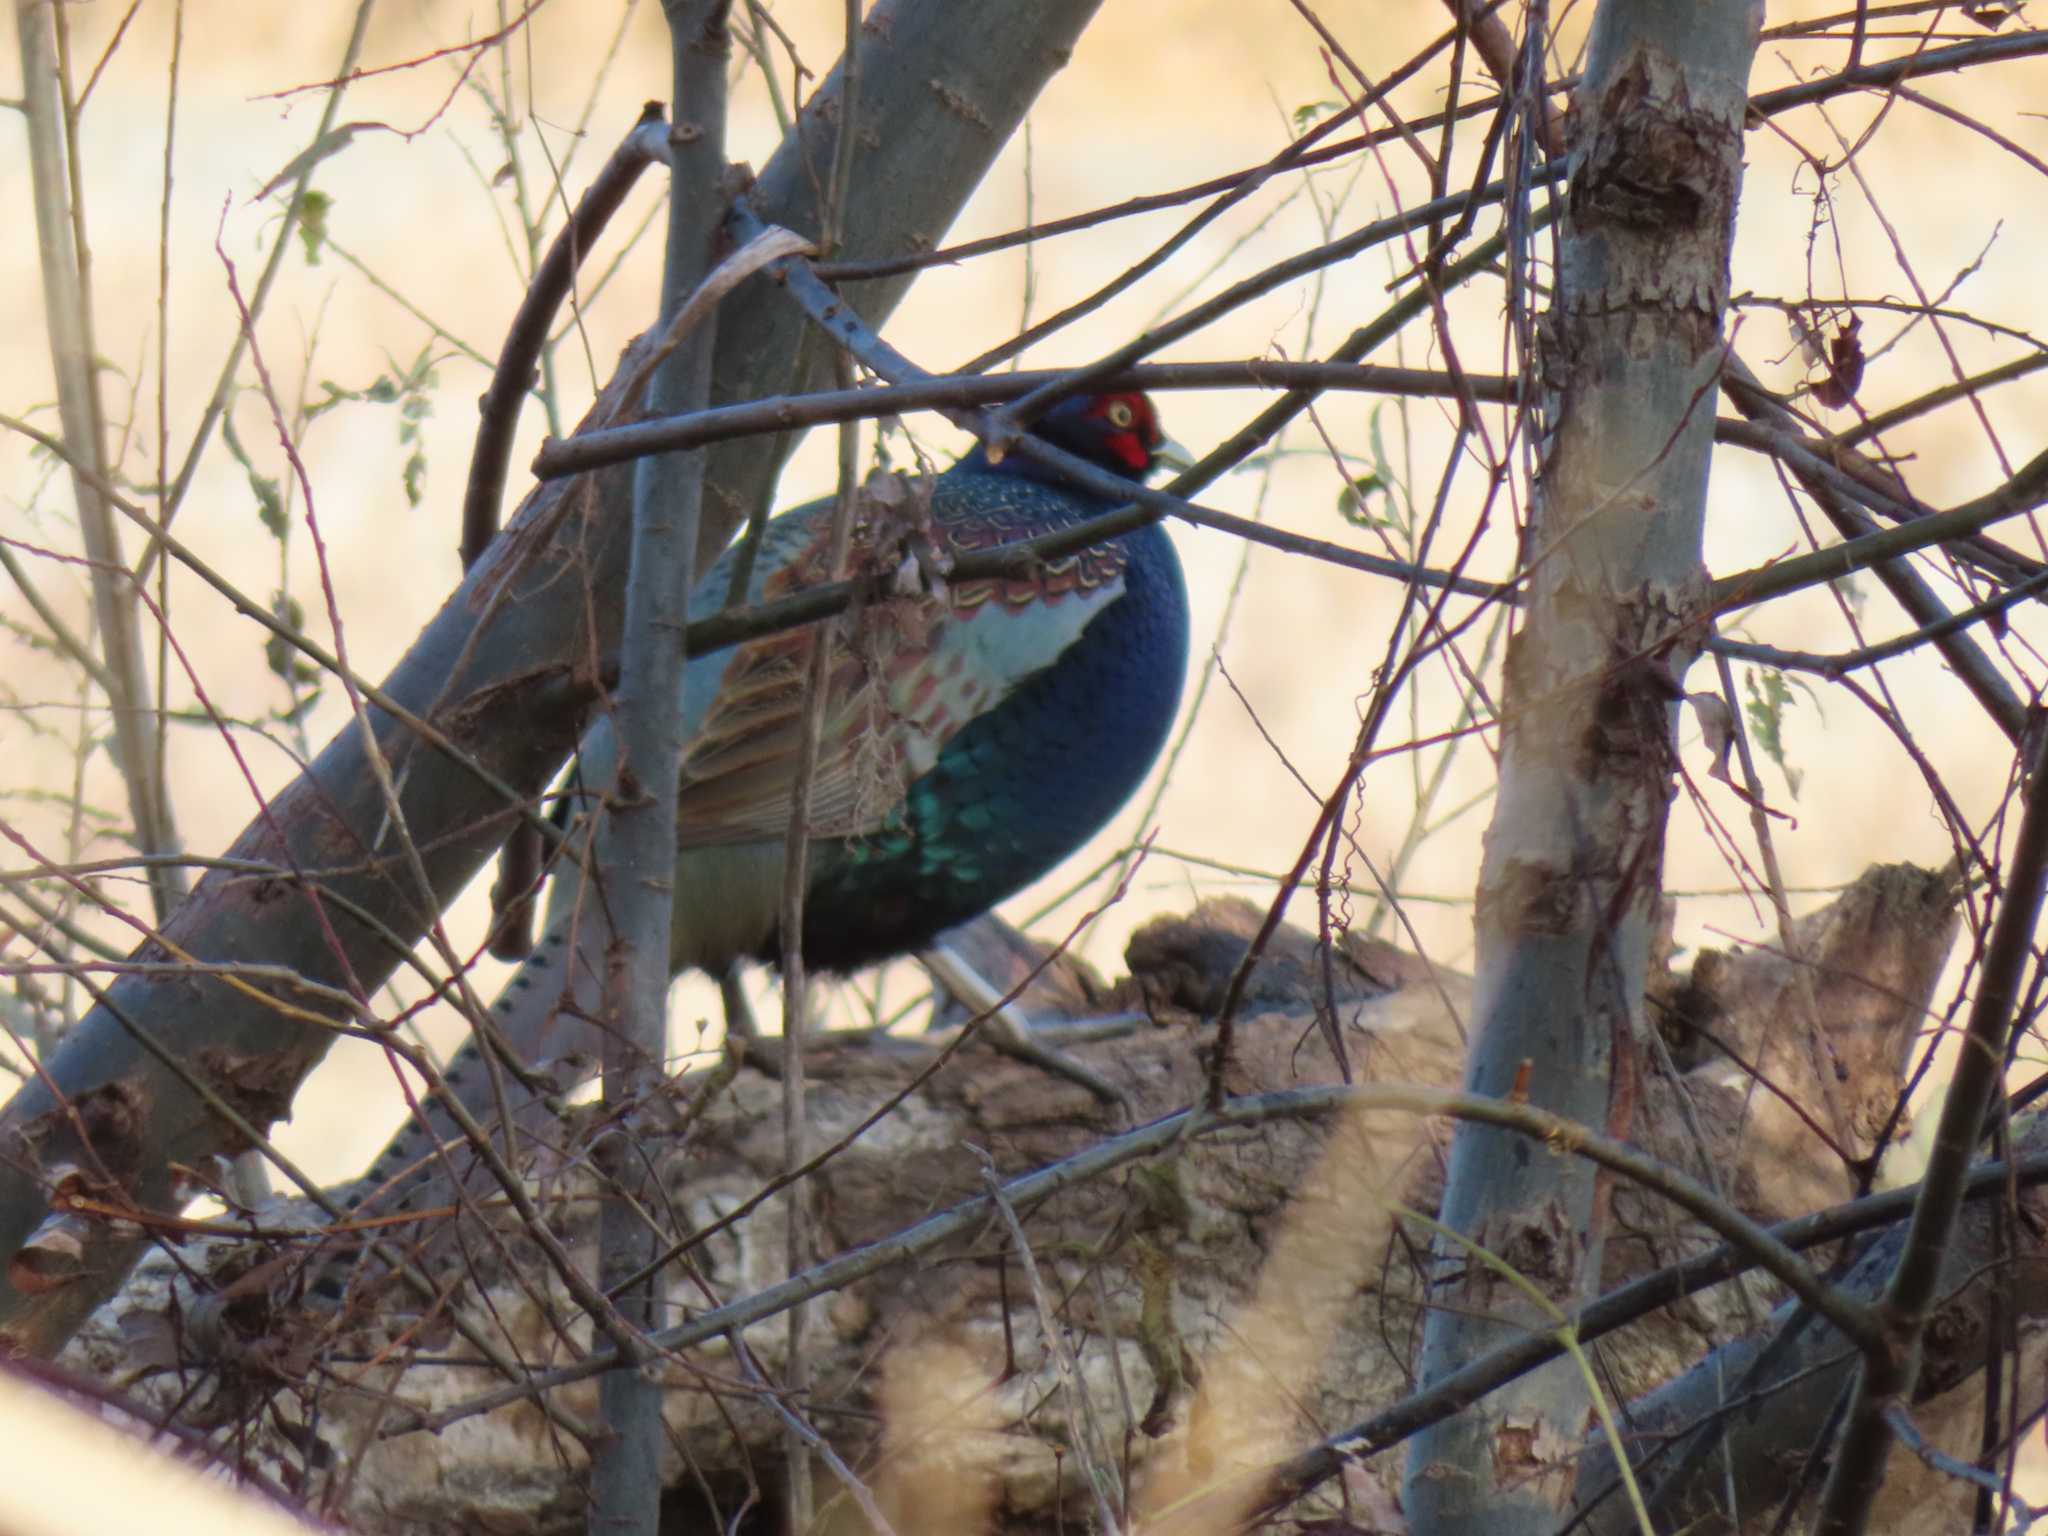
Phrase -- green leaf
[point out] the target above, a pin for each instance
(269, 494)
(405, 386)
(313, 210)
(1379, 441)
(269, 504)
(1769, 698)
(283, 658)
(1400, 510)
(330, 143)
(420, 376)
(336, 395)
(1354, 502)
(303, 706)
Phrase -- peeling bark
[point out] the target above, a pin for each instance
(1570, 888)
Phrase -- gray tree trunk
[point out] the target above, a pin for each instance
(1569, 893)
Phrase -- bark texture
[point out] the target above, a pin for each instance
(1571, 886)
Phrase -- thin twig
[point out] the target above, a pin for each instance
(1758, 1244)
(781, 413)
(1089, 1443)
(512, 377)
(67, 310)
(282, 241)
(519, 862)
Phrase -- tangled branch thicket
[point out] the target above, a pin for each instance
(1617, 429)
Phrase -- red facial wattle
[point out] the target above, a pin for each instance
(1134, 432)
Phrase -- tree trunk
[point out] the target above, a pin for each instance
(1571, 886)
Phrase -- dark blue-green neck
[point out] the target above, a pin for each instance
(1020, 466)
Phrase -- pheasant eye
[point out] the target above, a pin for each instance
(1120, 415)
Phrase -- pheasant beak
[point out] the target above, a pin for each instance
(1170, 454)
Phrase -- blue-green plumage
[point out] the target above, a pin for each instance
(973, 738)
(970, 743)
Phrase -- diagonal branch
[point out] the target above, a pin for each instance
(497, 670)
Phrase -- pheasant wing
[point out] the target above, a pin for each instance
(902, 678)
